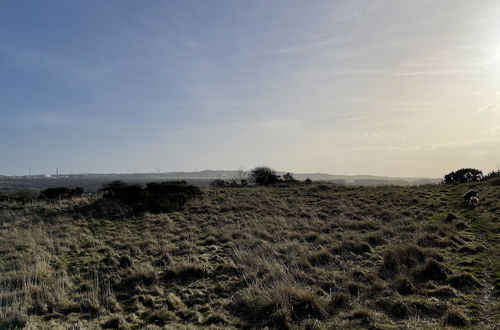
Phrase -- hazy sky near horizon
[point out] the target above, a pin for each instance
(389, 87)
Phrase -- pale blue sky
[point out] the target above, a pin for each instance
(348, 87)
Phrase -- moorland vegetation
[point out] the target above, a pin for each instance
(285, 255)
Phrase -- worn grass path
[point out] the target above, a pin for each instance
(485, 229)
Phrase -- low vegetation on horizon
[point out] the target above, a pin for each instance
(263, 251)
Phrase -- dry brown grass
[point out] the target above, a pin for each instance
(299, 256)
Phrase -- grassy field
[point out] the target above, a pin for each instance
(305, 256)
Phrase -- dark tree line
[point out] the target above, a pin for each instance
(264, 175)
(154, 197)
(60, 193)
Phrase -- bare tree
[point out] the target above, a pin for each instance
(241, 174)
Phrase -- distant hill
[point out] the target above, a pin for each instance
(229, 174)
(93, 182)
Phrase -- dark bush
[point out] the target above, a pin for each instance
(155, 197)
(171, 187)
(23, 196)
(54, 193)
(116, 183)
(263, 176)
(231, 183)
(78, 191)
(218, 183)
(128, 194)
(491, 175)
(463, 175)
(288, 177)
(60, 193)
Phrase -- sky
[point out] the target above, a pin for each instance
(382, 87)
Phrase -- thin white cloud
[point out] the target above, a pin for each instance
(59, 119)
(421, 148)
(278, 124)
(357, 72)
(492, 107)
(492, 133)
(304, 46)
(32, 58)
(382, 135)
(439, 73)
(363, 136)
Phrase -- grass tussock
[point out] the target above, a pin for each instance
(279, 306)
(402, 259)
(455, 318)
(353, 246)
(431, 270)
(185, 271)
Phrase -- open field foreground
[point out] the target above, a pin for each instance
(301, 256)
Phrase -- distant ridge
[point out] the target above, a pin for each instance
(218, 174)
(94, 181)
(229, 174)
